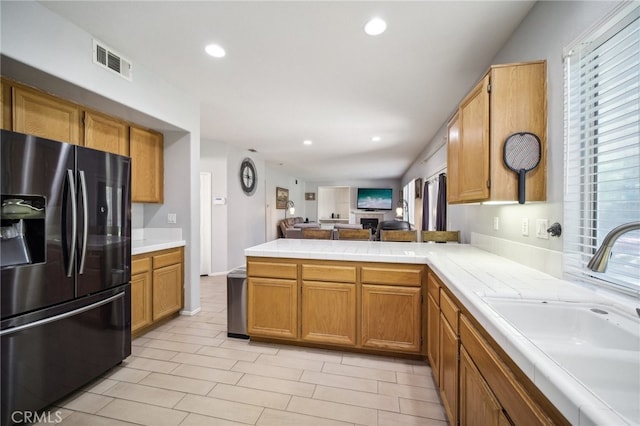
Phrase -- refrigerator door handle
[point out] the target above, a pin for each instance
(74, 221)
(85, 213)
(61, 316)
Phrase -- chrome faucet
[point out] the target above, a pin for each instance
(598, 262)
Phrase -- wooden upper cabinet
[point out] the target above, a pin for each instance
(510, 98)
(147, 169)
(105, 134)
(473, 150)
(36, 113)
(5, 106)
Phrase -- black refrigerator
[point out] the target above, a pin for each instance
(65, 267)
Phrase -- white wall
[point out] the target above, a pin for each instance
(42, 49)
(543, 34)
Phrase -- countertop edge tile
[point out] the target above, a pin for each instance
(147, 246)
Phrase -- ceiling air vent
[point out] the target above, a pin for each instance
(108, 58)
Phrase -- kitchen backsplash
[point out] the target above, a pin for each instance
(544, 260)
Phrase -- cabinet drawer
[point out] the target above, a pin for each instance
(272, 270)
(433, 288)
(404, 277)
(140, 265)
(169, 258)
(449, 310)
(346, 274)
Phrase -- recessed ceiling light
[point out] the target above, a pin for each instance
(215, 50)
(307, 142)
(375, 26)
(376, 139)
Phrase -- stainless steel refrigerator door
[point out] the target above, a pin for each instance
(32, 169)
(104, 220)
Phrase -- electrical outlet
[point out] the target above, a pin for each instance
(525, 227)
(541, 229)
(496, 223)
(171, 218)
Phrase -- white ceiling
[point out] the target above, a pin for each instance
(301, 70)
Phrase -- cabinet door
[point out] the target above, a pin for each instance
(5, 106)
(329, 312)
(141, 315)
(453, 158)
(449, 369)
(272, 307)
(39, 114)
(147, 170)
(478, 405)
(105, 134)
(167, 291)
(433, 337)
(473, 154)
(391, 317)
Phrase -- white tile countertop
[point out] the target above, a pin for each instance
(148, 240)
(474, 276)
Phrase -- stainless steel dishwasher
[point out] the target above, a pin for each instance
(237, 303)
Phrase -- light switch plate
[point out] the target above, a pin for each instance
(171, 218)
(541, 229)
(496, 223)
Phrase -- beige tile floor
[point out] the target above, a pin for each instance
(187, 372)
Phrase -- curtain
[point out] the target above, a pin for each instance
(441, 208)
(425, 207)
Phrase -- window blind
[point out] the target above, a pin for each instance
(602, 149)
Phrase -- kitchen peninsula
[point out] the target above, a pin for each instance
(429, 301)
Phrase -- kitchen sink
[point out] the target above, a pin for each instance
(597, 344)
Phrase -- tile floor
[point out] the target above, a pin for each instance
(187, 372)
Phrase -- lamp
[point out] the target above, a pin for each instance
(291, 207)
(402, 206)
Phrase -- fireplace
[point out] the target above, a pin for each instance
(369, 223)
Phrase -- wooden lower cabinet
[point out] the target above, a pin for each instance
(141, 293)
(449, 346)
(478, 405)
(157, 287)
(391, 317)
(373, 307)
(272, 309)
(329, 313)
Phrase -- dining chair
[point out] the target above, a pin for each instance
(394, 235)
(316, 234)
(441, 236)
(354, 234)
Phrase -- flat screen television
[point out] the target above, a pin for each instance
(375, 199)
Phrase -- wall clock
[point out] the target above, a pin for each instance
(248, 176)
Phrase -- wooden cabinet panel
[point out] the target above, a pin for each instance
(508, 391)
(510, 98)
(157, 283)
(5, 106)
(453, 154)
(392, 276)
(433, 337)
(272, 307)
(329, 312)
(449, 346)
(105, 134)
(167, 291)
(478, 405)
(335, 273)
(391, 317)
(141, 304)
(473, 149)
(272, 270)
(147, 168)
(39, 114)
(449, 310)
